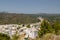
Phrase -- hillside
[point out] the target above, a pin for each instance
(10, 18)
(14, 18)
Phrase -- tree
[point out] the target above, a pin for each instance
(15, 37)
(56, 27)
(28, 26)
(4, 37)
(45, 28)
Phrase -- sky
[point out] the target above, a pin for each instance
(30, 6)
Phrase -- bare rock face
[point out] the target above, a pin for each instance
(51, 37)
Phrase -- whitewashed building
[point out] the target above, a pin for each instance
(31, 32)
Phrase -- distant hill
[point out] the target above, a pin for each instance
(14, 18)
(50, 17)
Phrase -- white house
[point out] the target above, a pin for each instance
(31, 32)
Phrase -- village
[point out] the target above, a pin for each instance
(28, 30)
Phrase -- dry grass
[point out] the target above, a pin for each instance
(50, 36)
(21, 37)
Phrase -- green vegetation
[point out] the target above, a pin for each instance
(56, 27)
(28, 26)
(4, 37)
(15, 37)
(46, 27)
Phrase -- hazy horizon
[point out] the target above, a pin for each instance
(30, 6)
